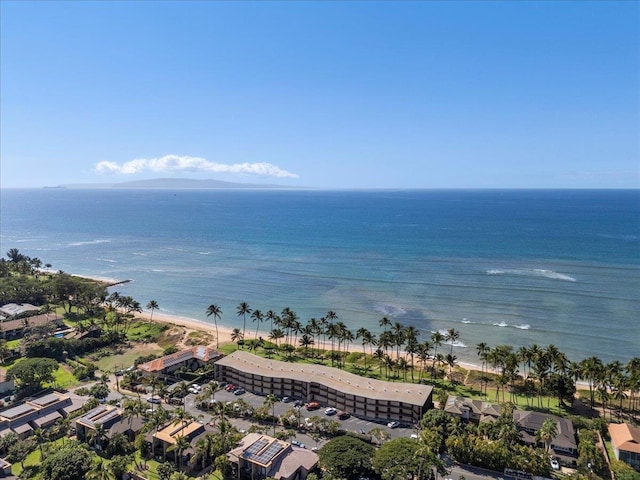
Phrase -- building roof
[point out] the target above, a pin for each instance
(200, 352)
(413, 394)
(47, 419)
(534, 420)
(625, 437)
(134, 424)
(17, 308)
(481, 409)
(100, 416)
(35, 321)
(280, 458)
(178, 429)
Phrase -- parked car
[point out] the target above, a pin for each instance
(393, 424)
(298, 403)
(287, 400)
(239, 391)
(330, 411)
(153, 399)
(555, 464)
(230, 387)
(298, 444)
(312, 406)
(343, 415)
(222, 384)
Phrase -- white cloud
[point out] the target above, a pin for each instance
(175, 163)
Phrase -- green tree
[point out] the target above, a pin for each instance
(243, 310)
(346, 457)
(31, 373)
(547, 433)
(71, 461)
(152, 305)
(215, 311)
(165, 470)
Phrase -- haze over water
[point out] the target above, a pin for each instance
(501, 266)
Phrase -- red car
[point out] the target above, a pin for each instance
(230, 387)
(312, 406)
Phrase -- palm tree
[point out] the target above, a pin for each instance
(366, 337)
(592, 370)
(182, 443)
(437, 339)
(257, 317)
(547, 433)
(482, 349)
(452, 336)
(237, 336)
(214, 310)
(275, 335)
(152, 305)
(384, 323)
(450, 359)
(270, 402)
(99, 471)
(243, 309)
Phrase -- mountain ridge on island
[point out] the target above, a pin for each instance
(175, 183)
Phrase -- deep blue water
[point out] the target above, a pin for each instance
(516, 267)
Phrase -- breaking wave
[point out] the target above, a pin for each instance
(532, 272)
(89, 242)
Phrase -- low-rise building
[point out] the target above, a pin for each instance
(476, 411)
(564, 444)
(16, 328)
(99, 419)
(164, 440)
(362, 397)
(261, 456)
(191, 358)
(38, 412)
(625, 440)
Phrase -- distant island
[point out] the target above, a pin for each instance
(172, 183)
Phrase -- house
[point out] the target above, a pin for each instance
(38, 412)
(191, 358)
(261, 456)
(164, 439)
(564, 444)
(99, 419)
(362, 397)
(16, 328)
(11, 309)
(476, 411)
(625, 440)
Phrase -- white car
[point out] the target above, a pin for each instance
(555, 464)
(393, 424)
(330, 411)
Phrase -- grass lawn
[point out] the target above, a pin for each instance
(126, 357)
(145, 331)
(64, 378)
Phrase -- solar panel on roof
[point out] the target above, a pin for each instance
(109, 416)
(255, 447)
(269, 454)
(17, 411)
(46, 400)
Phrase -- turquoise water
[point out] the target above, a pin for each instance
(515, 267)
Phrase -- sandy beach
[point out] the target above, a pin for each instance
(224, 334)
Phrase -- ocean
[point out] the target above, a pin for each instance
(513, 267)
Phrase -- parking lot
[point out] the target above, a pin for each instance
(352, 423)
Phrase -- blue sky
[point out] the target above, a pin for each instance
(322, 94)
